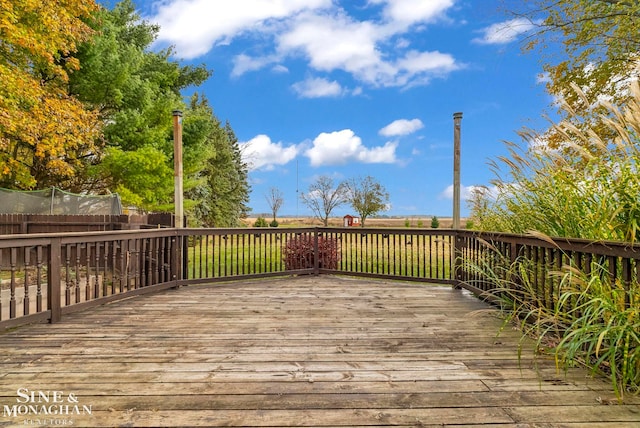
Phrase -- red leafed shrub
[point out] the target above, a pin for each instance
(298, 252)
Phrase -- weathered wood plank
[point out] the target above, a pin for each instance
(183, 400)
(316, 418)
(314, 351)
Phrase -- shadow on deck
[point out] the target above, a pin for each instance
(304, 351)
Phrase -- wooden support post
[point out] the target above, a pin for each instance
(53, 280)
(457, 117)
(177, 168)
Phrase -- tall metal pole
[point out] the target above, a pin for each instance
(457, 117)
(177, 168)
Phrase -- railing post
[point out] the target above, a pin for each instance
(53, 280)
(178, 256)
(513, 252)
(316, 251)
(457, 260)
(513, 257)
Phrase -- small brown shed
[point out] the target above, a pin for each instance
(350, 220)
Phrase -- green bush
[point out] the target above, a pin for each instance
(274, 223)
(260, 222)
(435, 223)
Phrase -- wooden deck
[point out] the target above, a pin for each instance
(307, 351)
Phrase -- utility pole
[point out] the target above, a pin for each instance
(457, 117)
(177, 168)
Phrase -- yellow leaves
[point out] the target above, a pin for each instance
(42, 129)
(42, 28)
(64, 132)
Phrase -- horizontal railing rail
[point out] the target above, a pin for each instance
(45, 276)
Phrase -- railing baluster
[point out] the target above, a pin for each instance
(67, 275)
(107, 278)
(201, 265)
(39, 264)
(123, 266)
(244, 253)
(13, 263)
(236, 262)
(26, 304)
(115, 279)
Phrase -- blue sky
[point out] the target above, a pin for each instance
(363, 87)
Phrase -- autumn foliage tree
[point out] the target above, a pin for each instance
(598, 55)
(44, 132)
(601, 45)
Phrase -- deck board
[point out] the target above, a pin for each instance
(305, 351)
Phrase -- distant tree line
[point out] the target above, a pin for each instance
(86, 105)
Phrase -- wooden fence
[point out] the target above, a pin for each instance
(11, 224)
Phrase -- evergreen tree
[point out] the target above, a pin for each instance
(221, 191)
(134, 90)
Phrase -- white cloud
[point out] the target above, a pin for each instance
(401, 127)
(416, 62)
(195, 26)
(317, 88)
(340, 147)
(279, 68)
(337, 42)
(261, 153)
(376, 52)
(414, 11)
(244, 63)
(466, 192)
(505, 32)
(402, 43)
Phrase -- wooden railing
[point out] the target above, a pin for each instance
(541, 262)
(418, 254)
(45, 276)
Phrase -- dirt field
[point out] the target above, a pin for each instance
(445, 222)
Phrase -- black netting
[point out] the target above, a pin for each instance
(56, 201)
